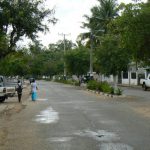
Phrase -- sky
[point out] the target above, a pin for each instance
(70, 17)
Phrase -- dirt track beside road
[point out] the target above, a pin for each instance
(11, 107)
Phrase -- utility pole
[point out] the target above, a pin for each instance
(64, 40)
(92, 35)
(91, 54)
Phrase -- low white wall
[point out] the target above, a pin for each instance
(125, 81)
(129, 80)
(134, 82)
(105, 78)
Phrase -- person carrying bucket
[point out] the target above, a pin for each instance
(34, 90)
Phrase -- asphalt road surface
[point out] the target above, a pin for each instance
(68, 118)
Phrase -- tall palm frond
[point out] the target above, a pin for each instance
(97, 23)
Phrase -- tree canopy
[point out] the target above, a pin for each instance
(111, 58)
(117, 35)
(133, 26)
(23, 18)
(77, 61)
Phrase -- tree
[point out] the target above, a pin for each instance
(33, 61)
(68, 45)
(97, 23)
(101, 17)
(35, 48)
(133, 26)
(23, 18)
(45, 62)
(59, 45)
(52, 47)
(143, 34)
(15, 64)
(111, 58)
(77, 61)
(3, 45)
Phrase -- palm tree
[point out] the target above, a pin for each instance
(97, 23)
(101, 16)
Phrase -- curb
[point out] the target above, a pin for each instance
(105, 94)
(131, 86)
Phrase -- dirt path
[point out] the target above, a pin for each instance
(11, 107)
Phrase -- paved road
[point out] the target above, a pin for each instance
(67, 118)
(137, 92)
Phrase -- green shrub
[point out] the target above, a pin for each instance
(106, 88)
(112, 90)
(103, 86)
(76, 83)
(72, 82)
(61, 81)
(99, 87)
(92, 85)
(118, 91)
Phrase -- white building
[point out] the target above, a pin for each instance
(131, 77)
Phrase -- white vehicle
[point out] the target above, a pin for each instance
(5, 91)
(145, 82)
(3, 94)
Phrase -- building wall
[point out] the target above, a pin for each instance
(102, 78)
(130, 78)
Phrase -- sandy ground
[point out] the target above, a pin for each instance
(12, 107)
(143, 110)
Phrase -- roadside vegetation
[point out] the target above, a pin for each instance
(92, 85)
(71, 82)
(118, 35)
(103, 87)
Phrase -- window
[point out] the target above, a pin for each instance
(133, 75)
(125, 75)
(1, 79)
(141, 76)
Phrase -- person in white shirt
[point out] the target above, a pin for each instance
(34, 90)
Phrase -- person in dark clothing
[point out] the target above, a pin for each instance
(19, 91)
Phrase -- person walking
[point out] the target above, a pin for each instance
(34, 90)
(19, 90)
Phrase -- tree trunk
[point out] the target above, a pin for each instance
(115, 82)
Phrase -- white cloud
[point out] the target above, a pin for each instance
(70, 15)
